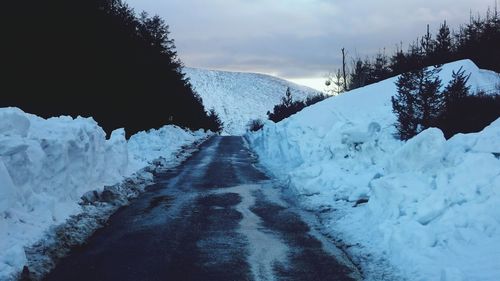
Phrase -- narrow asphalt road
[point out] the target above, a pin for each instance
(215, 217)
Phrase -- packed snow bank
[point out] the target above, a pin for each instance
(46, 165)
(428, 206)
(162, 143)
(240, 97)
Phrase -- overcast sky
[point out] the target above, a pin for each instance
(298, 39)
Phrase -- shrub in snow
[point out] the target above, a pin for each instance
(314, 99)
(255, 125)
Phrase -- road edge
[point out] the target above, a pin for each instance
(97, 208)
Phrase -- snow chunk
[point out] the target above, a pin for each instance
(420, 153)
(13, 122)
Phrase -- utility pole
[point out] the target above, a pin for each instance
(343, 69)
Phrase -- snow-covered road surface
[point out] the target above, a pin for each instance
(215, 217)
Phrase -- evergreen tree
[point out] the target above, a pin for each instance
(403, 105)
(443, 44)
(214, 123)
(286, 108)
(427, 43)
(359, 75)
(462, 113)
(429, 99)
(457, 88)
(95, 58)
(155, 32)
(417, 102)
(287, 100)
(380, 69)
(414, 57)
(478, 40)
(398, 62)
(339, 83)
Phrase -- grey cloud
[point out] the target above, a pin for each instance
(297, 38)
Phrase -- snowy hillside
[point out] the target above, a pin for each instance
(239, 97)
(425, 209)
(46, 165)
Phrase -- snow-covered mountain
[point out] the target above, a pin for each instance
(424, 209)
(239, 97)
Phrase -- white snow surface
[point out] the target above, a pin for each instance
(239, 97)
(433, 211)
(46, 165)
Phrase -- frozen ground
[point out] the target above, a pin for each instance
(425, 209)
(46, 165)
(240, 97)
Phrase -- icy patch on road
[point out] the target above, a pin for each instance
(265, 248)
(274, 192)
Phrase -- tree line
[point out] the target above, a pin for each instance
(96, 58)
(288, 106)
(478, 40)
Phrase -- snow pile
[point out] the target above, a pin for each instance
(46, 165)
(162, 143)
(427, 206)
(240, 97)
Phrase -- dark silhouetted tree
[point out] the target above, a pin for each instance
(338, 82)
(443, 44)
(470, 114)
(417, 102)
(359, 75)
(429, 99)
(380, 69)
(427, 44)
(457, 88)
(214, 123)
(398, 62)
(479, 40)
(95, 58)
(403, 105)
(285, 108)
